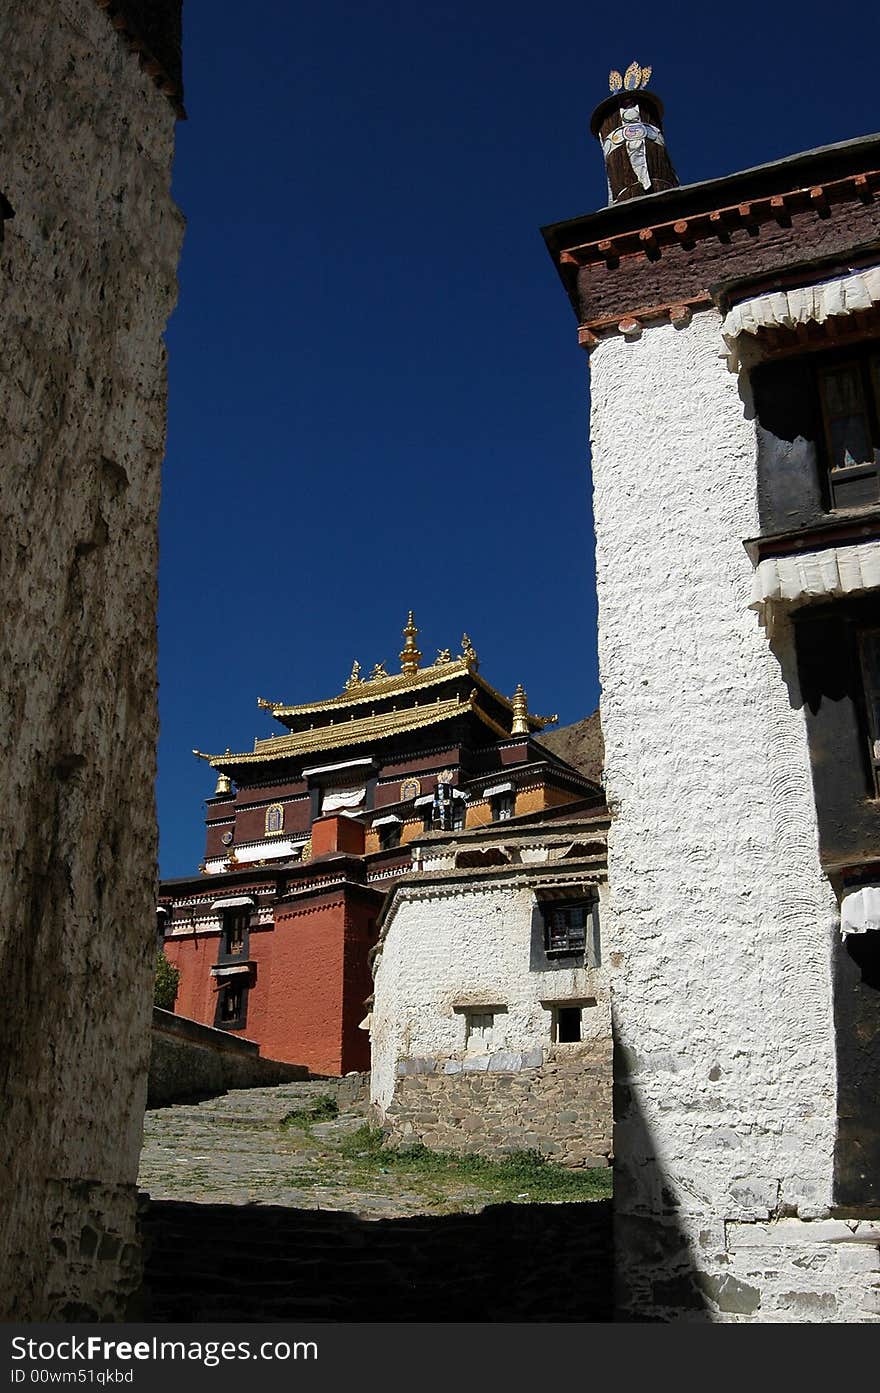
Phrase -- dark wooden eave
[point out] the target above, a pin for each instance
(658, 255)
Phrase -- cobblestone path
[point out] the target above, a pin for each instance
(252, 1220)
(234, 1150)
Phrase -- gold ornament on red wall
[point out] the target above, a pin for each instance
(409, 789)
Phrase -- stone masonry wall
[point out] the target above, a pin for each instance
(88, 273)
(719, 924)
(556, 1101)
(191, 1060)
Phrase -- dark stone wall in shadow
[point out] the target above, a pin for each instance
(512, 1262)
(857, 1038)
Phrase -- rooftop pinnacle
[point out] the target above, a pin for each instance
(410, 657)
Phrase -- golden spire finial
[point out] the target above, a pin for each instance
(410, 657)
(224, 784)
(520, 725)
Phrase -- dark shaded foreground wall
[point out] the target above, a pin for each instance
(88, 275)
(541, 1262)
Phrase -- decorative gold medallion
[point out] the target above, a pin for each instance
(409, 789)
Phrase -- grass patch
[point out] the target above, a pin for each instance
(321, 1109)
(521, 1175)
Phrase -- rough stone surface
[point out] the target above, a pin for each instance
(88, 273)
(190, 1060)
(250, 1220)
(562, 1109)
(719, 921)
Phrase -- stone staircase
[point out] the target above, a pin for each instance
(368, 1257)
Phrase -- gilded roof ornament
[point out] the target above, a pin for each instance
(378, 673)
(355, 680)
(410, 657)
(444, 656)
(224, 784)
(520, 704)
(635, 77)
(469, 652)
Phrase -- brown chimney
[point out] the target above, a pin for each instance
(629, 127)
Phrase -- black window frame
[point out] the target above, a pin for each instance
(390, 834)
(235, 929)
(587, 951)
(864, 359)
(503, 806)
(239, 984)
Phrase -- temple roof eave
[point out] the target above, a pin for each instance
(366, 730)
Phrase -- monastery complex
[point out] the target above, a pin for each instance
(649, 941)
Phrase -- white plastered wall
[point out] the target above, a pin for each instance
(723, 920)
(467, 945)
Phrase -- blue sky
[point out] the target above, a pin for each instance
(376, 398)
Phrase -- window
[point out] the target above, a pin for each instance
(231, 1013)
(478, 1029)
(869, 652)
(389, 835)
(849, 395)
(502, 807)
(458, 814)
(818, 432)
(234, 938)
(567, 1024)
(566, 926)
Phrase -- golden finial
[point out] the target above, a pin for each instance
(355, 678)
(410, 657)
(469, 652)
(443, 656)
(224, 784)
(635, 76)
(378, 673)
(520, 725)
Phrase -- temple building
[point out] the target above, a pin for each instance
(733, 328)
(307, 832)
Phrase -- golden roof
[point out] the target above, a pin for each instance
(367, 689)
(357, 731)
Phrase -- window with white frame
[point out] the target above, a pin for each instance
(479, 1029)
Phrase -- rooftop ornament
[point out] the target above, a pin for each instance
(629, 127)
(410, 657)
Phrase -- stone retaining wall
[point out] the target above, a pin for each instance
(556, 1101)
(189, 1060)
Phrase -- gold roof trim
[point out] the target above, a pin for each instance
(369, 690)
(358, 731)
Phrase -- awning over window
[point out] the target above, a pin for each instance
(860, 910)
(232, 902)
(496, 789)
(816, 575)
(386, 821)
(810, 304)
(232, 970)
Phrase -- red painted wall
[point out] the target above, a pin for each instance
(309, 982)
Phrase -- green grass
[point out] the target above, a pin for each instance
(521, 1175)
(321, 1109)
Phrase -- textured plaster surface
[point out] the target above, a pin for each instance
(719, 922)
(88, 273)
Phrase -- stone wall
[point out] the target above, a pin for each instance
(189, 1060)
(720, 924)
(88, 272)
(556, 1101)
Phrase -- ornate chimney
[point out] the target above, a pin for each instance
(628, 126)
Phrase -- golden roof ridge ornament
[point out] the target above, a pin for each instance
(355, 680)
(410, 657)
(520, 704)
(469, 652)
